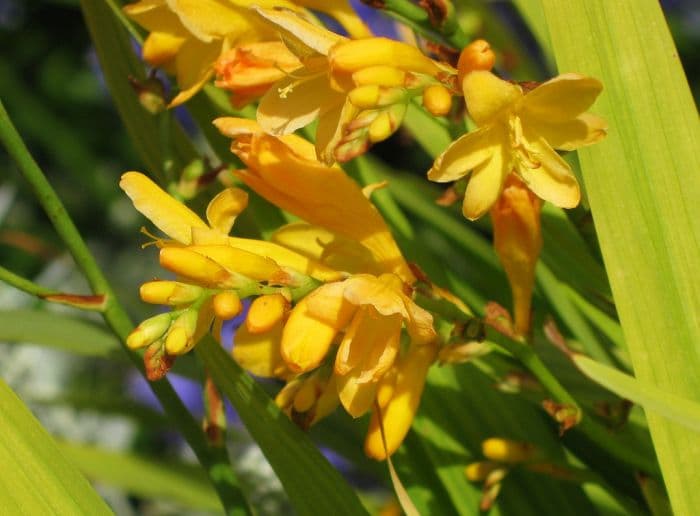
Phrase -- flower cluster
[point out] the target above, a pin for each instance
(336, 311)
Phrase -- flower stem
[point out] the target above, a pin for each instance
(213, 459)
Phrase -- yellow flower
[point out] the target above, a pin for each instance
(357, 89)
(308, 399)
(371, 312)
(188, 36)
(518, 133)
(285, 172)
(517, 238)
(398, 397)
(255, 259)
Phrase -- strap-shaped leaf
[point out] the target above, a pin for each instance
(643, 188)
(313, 485)
(35, 477)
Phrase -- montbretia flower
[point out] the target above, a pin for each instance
(369, 312)
(286, 172)
(187, 37)
(517, 133)
(357, 89)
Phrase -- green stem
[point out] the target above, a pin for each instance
(24, 284)
(588, 426)
(214, 460)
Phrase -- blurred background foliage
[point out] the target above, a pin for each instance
(51, 85)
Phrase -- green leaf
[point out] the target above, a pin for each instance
(145, 476)
(643, 188)
(681, 410)
(312, 484)
(58, 331)
(35, 477)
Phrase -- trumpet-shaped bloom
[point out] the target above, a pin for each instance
(209, 249)
(188, 36)
(357, 89)
(370, 311)
(518, 133)
(285, 171)
(517, 238)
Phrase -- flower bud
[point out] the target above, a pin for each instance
(194, 266)
(149, 331)
(381, 75)
(437, 100)
(180, 337)
(505, 450)
(265, 312)
(475, 56)
(306, 395)
(478, 471)
(169, 292)
(380, 128)
(227, 305)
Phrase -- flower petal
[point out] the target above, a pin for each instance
(225, 207)
(357, 398)
(341, 11)
(487, 96)
(260, 353)
(155, 16)
(464, 154)
(305, 339)
(583, 130)
(305, 38)
(562, 98)
(553, 179)
(161, 48)
(353, 55)
(244, 262)
(383, 293)
(211, 19)
(485, 184)
(194, 67)
(169, 215)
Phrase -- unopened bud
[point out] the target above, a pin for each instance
(149, 331)
(194, 266)
(169, 292)
(478, 471)
(505, 450)
(381, 75)
(364, 97)
(462, 352)
(306, 396)
(151, 94)
(381, 128)
(179, 339)
(475, 56)
(265, 312)
(227, 305)
(437, 100)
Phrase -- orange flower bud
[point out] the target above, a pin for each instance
(437, 100)
(517, 238)
(227, 305)
(265, 312)
(505, 450)
(475, 56)
(169, 292)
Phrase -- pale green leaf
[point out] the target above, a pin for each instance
(643, 188)
(680, 410)
(58, 331)
(35, 477)
(145, 476)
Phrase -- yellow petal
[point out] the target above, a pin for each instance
(369, 346)
(331, 127)
(194, 67)
(328, 304)
(485, 185)
(295, 101)
(210, 19)
(341, 11)
(397, 417)
(357, 398)
(155, 16)
(310, 37)
(259, 353)
(335, 251)
(381, 75)
(562, 98)
(350, 56)
(161, 48)
(487, 96)
(286, 258)
(249, 264)
(552, 180)
(169, 215)
(305, 339)
(383, 293)
(465, 153)
(583, 130)
(420, 323)
(194, 266)
(225, 207)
